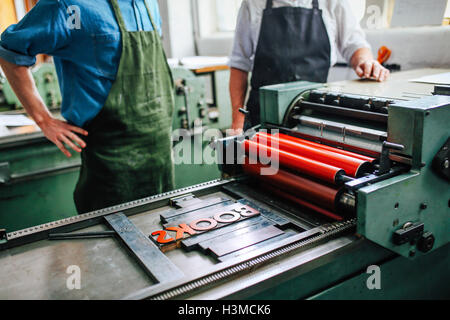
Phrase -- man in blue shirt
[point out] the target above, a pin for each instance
(115, 84)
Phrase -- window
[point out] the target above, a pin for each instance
(227, 12)
(217, 16)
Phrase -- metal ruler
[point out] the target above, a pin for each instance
(41, 232)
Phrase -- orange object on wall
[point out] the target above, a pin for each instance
(30, 4)
(384, 53)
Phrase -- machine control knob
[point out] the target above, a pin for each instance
(410, 232)
(182, 110)
(446, 164)
(426, 242)
(48, 78)
(244, 111)
(202, 113)
(367, 107)
(3, 234)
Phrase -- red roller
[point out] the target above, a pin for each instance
(313, 168)
(352, 166)
(325, 147)
(316, 193)
(304, 203)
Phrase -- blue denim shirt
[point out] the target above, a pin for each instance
(86, 58)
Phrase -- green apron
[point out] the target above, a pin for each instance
(129, 149)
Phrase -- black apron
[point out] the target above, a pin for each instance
(293, 45)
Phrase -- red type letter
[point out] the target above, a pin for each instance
(161, 237)
(181, 230)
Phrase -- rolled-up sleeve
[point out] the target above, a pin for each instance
(42, 30)
(242, 53)
(350, 36)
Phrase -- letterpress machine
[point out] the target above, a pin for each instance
(361, 183)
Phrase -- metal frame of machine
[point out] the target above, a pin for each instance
(398, 206)
(327, 252)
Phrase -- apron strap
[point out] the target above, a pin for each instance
(315, 4)
(120, 19)
(118, 14)
(150, 16)
(269, 4)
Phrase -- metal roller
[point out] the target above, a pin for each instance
(354, 166)
(325, 147)
(304, 203)
(318, 194)
(313, 168)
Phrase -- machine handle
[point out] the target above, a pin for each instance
(5, 173)
(6, 177)
(385, 162)
(393, 146)
(244, 111)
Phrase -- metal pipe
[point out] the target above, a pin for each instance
(345, 112)
(304, 203)
(84, 235)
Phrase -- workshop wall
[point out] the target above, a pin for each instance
(410, 45)
(178, 28)
(7, 14)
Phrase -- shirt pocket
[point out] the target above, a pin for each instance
(107, 51)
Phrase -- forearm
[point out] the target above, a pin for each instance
(22, 82)
(57, 131)
(238, 92)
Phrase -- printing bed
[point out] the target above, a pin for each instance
(360, 180)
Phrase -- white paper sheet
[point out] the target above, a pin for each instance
(203, 62)
(411, 13)
(3, 131)
(440, 78)
(15, 121)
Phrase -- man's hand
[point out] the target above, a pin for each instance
(60, 133)
(367, 67)
(237, 127)
(372, 69)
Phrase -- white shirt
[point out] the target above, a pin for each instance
(345, 34)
